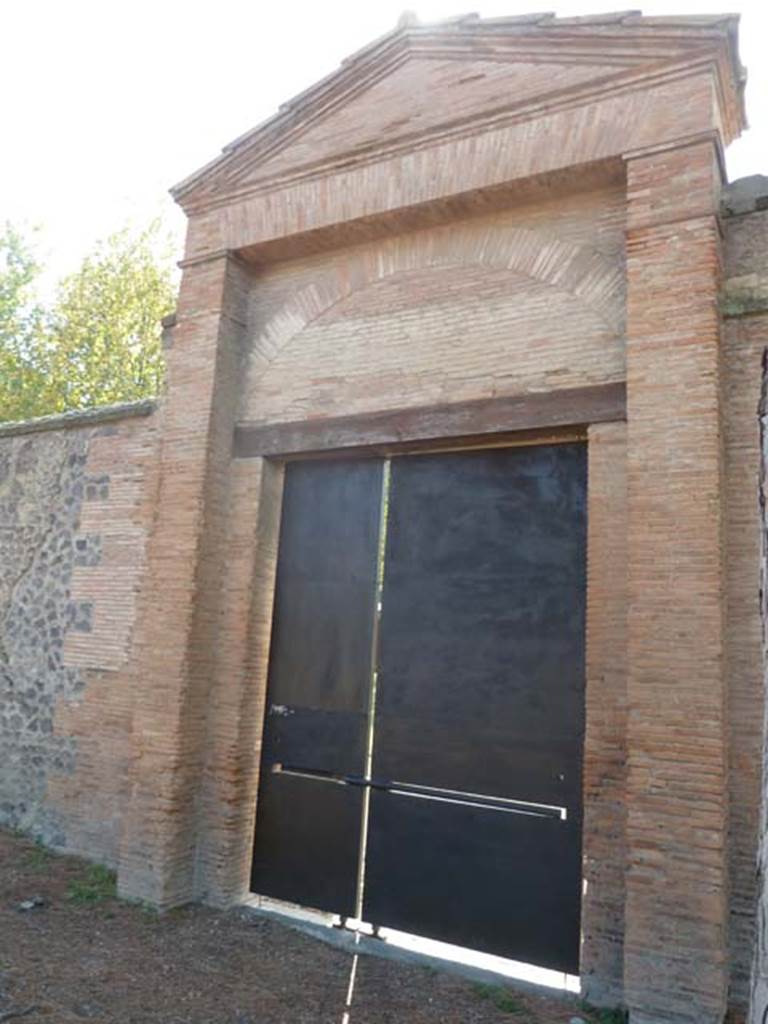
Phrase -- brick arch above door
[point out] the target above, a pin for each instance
(591, 278)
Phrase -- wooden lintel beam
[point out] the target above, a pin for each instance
(460, 422)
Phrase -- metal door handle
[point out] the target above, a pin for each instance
(482, 801)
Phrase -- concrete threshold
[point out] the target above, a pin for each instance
(353, 942)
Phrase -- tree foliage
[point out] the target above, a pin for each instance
(21, 377)
(99, 342)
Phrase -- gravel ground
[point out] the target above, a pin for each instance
(79, 954)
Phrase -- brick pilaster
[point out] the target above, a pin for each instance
(235, 704)
(602, 954)
(176, 631)
(676, 909)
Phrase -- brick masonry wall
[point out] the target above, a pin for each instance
(745, 336)
(307, 312)
(236, 704)
(529, 298)
(180, 646)
(611, 126)
(605, 754)
(394, 309)
(75, 507)
(70, 728)
(448, 314)
(496, 261)
(677, 785)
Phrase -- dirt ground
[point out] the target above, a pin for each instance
(76, 954)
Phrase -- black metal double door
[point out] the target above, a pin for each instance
(423, 736)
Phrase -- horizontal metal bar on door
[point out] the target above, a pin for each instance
(482, 801)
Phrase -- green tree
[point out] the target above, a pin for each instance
(104, 336)
(22, 377)
(99, 342)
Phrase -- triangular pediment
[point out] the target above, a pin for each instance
(422, 82)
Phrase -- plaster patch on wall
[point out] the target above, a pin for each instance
(42, 486)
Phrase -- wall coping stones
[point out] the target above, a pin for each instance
(745, 195)
(746, 294)
(80, 418)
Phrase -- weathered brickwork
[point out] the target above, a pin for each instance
(605, 752)
(176, 633)
(230, 774)
(676, 738)
(525, 299)
(743, 344)
(745, 337)
(544, 218)
(74, 510)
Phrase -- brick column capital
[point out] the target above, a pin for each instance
(672, 183)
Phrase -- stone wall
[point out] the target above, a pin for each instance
(74, 512)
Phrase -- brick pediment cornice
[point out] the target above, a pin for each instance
(541, 64)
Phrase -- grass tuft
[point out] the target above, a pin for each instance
(615, 1016)
(39, 857)
(500, 997)
(97, 885)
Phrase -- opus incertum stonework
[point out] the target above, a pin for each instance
(471, 328)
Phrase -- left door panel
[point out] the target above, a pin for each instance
(307, 826)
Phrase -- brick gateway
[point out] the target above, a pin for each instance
(425, 707)
(473, 235)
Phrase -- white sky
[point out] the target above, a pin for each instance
(107, 104)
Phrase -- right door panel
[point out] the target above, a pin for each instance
(480, 694)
